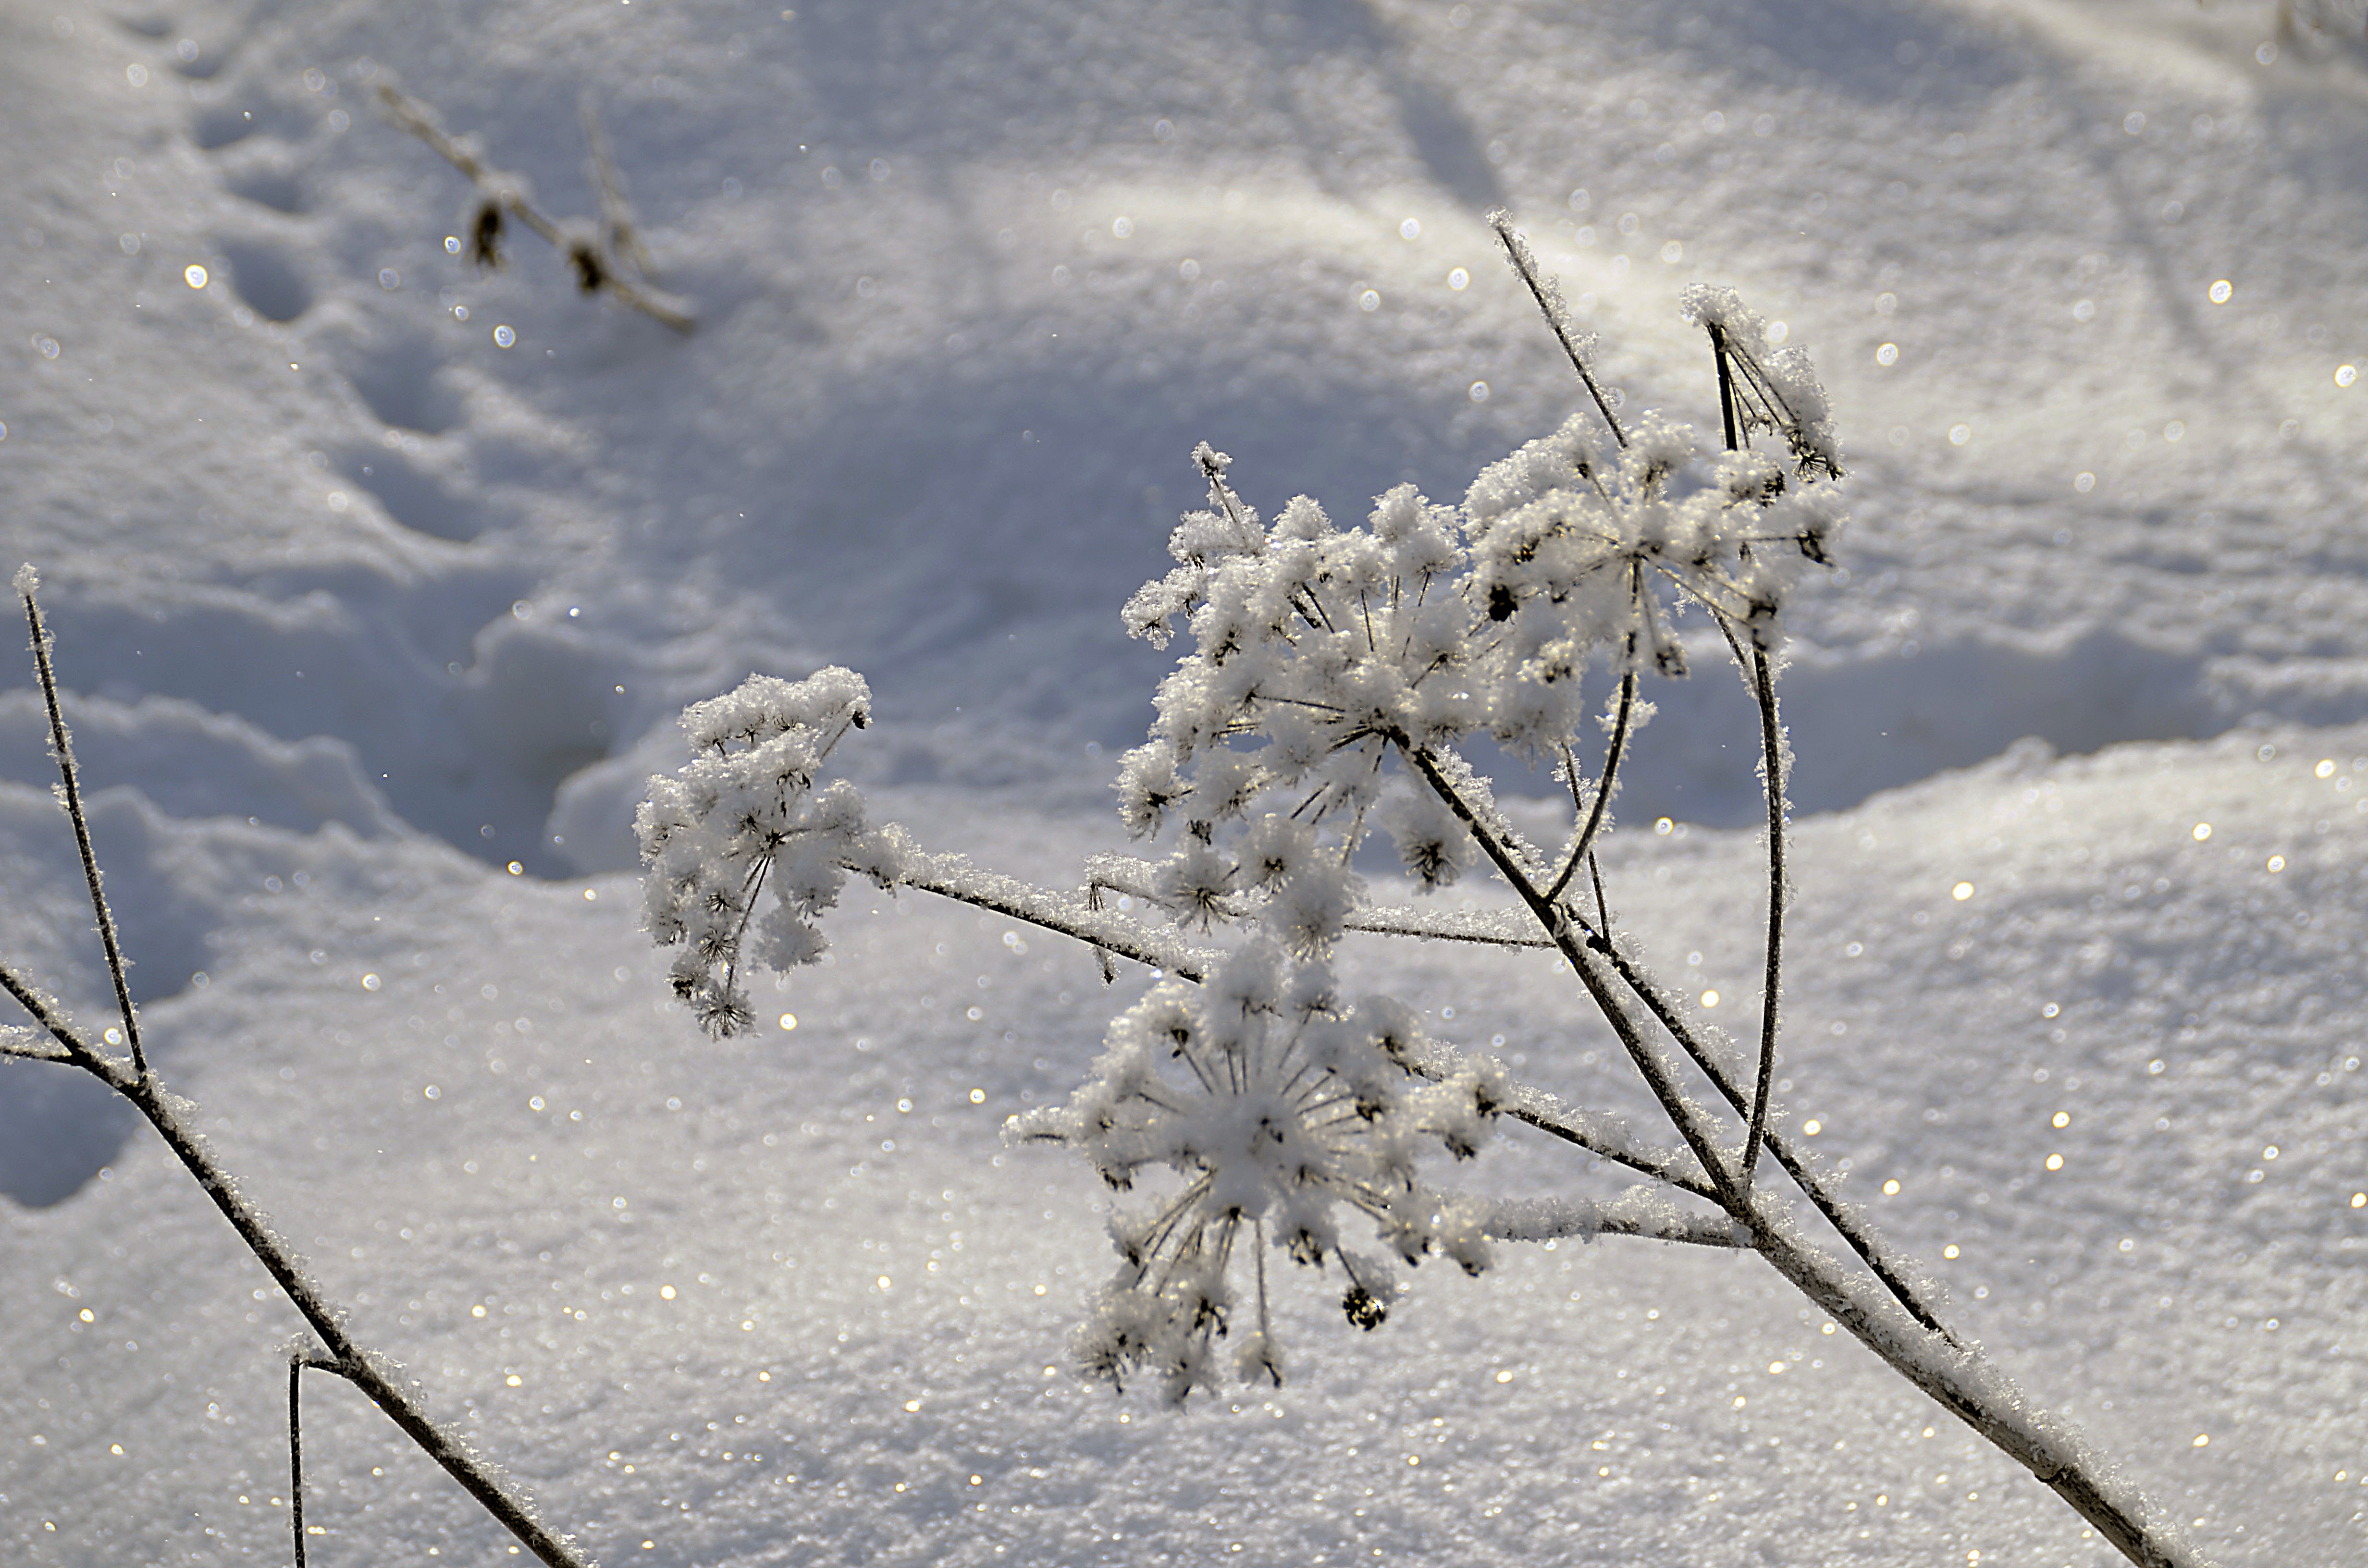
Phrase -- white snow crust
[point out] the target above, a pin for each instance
(372, 631)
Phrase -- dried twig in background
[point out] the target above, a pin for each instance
(594, 256)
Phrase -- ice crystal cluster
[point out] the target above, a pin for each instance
(1280, 1111)
(743, 819)
(1318, 652)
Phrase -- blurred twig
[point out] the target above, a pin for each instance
(594, 256)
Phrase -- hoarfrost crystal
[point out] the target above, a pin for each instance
(1284, 1116)
(742, 818)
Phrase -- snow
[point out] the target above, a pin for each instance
(355, 608)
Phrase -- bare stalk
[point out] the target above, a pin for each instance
(1549, 298)
(1947, 1369)
(70, 782)
(296, 1455)
(1725, 385)
(953, 878)
(1683, 1114)
(368, 1371)
(1763, 678)
(1583, 845)
(595, 269)
(618, 230)
(1772, 743)
(1861, 1242)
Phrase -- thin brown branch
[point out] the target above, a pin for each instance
(1583, 845)
(1524, 262)
(595, 269)
(1772, 741)
(70, 781)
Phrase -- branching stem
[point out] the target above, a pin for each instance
(1944, 1367)
(502, 191)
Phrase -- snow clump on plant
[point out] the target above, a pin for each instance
(743, 816)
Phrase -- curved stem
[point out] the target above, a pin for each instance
(1555, 922)
(1584, 845)
(1771, 744)
(1666, 1014)
(354, 1363)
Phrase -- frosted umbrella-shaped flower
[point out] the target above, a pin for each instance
(1282, 1116)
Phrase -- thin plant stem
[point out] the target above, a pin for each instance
(416, 118)
(1726, 384)
(1861, 1242)
(1554, 920)
(617, 225)
(1945, 1368)
(296, 1455)
(1772, 741)
(359, 1367)
(164, 1112)
(1762, 676)
(1583, 845)
(70, 781)
(949, 877)
(297, 1363)
(1524, 262)
(1680, 1110)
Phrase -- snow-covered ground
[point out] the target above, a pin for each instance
(358, 607)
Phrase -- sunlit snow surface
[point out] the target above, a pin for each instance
(323, 556)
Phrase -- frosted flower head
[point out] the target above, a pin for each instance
(1575, 556)
(1318, 653)
(1770, 389)
(743, 852)
(1272, 1118)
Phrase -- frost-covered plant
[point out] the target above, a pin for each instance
(1332, 677)
(743, 819)
(1281, 1111)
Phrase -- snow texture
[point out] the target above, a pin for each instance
(359, 605)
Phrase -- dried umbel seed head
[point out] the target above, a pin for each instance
(1287, 1121)
(743, 851)
(591, 272)
(485, 235)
